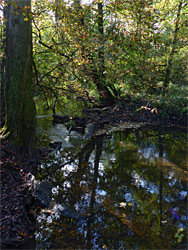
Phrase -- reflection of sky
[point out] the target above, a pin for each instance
(183, 194)
(67, 169)
(140, 182)
(58, 132)
(149, 152)
(128, 197)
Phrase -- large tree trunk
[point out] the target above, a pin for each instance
(2, 71)
(20, 108)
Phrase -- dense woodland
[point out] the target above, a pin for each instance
(99, 52)
(109, 58)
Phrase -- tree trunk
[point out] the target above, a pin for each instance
(20, 108)
(2, 72)
(105, 95)
(173, 50)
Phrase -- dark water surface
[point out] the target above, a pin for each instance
(122, 190)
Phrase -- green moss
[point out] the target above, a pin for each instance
(20, 106)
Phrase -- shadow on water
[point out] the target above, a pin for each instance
(123, 190)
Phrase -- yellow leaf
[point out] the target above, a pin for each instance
(22, 234)
(2, 54)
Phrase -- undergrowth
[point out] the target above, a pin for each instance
(174, 102)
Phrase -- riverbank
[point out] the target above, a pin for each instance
(17, 201)
(114, 115)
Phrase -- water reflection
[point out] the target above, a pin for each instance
(127, 190)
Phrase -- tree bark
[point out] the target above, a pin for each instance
(173, 50)
(105, 95)
(20, 108)
(2, 71)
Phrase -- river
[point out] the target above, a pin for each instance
(123, 189)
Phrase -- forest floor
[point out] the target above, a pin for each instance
(17, 202)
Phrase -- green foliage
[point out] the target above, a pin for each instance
(137, 46)
(70, 124)
(179, 235)
(175, 101)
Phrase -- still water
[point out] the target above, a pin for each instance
(126, 189)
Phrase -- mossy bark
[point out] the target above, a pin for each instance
(2, 69)
(20, 108)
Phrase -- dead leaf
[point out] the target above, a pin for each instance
(154, 110)
(3, 227)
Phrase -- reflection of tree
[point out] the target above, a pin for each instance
(61, 233)
(152, 207)
(76, 191)
(64, 233)
(130, 177)
(93, 191)
(161, 184)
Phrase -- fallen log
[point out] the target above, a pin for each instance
(60, 118)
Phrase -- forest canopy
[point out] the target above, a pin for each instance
(107, 51)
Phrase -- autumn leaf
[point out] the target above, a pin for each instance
(22, 234)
